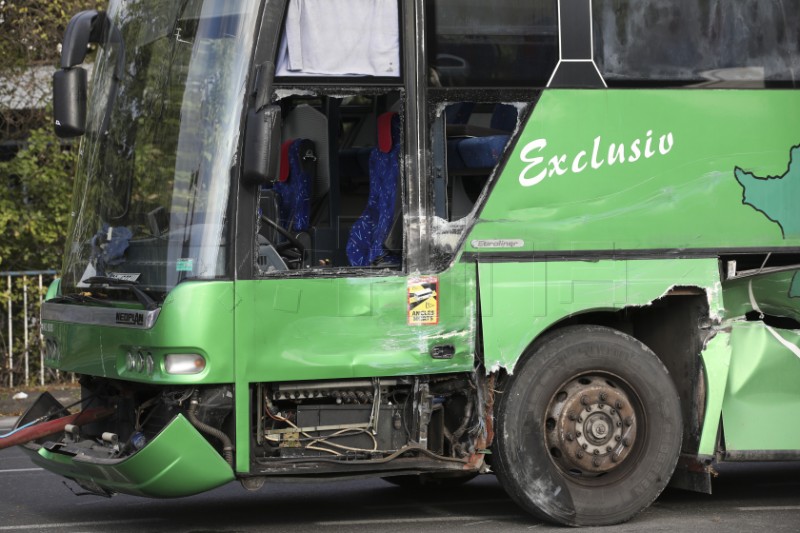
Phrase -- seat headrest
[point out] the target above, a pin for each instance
(284, 174)
(388, 131)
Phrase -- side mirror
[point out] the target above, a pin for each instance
(69, 83)
(262, 146)
(69, 102)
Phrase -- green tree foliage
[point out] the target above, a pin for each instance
(36, 184)
(30, 34)
(34, 211)
(31, 30)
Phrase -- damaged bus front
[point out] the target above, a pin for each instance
(426, 240)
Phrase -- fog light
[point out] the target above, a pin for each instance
(184, 363)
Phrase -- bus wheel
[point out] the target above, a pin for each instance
(588, 428)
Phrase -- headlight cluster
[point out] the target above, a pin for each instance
(181, 364)
(141, 362)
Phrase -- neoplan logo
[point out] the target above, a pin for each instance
(131, 319)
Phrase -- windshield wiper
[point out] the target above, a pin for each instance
(148, 303)
(76, 298)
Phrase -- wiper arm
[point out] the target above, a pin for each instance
(148, 303)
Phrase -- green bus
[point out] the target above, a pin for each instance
(553, 240)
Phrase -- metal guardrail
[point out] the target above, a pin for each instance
(29, 309)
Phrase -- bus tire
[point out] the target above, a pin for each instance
(588, 428)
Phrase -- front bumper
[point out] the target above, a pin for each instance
(177, 462)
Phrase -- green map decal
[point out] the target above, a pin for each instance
(775, 196)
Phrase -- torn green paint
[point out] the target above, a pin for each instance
(761, 400)
(716, 360)
(521, 300)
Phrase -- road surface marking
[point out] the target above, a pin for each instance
(11, 470)
(772, 508)
(64, 525)
(414, 520)
(438, 504)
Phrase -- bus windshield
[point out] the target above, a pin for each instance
(152, 185)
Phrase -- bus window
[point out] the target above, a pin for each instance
(727, 44)
(469, 142)
(501, 43)
(340, 187)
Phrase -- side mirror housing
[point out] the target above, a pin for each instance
(69, 102)
(262, 146)
(69, 84)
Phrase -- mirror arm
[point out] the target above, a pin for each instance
(82, 29)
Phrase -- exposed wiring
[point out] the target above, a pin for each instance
(323, 438)
(141, 409)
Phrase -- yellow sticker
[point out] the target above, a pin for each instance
(423, 301)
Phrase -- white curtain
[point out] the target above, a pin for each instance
(340, 38)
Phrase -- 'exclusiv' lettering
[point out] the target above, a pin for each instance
(616, 154)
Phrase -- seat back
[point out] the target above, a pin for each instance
(305, 122)
(294, 189)
(365, 245)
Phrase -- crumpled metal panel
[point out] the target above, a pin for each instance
(177, 462)
(762, 397)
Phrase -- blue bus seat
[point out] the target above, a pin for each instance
(294, 184)
(474, 147)
(365, 244)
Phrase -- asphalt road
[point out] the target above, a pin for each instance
(764, 497)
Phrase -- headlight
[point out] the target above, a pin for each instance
(184, 363)
(149, 364)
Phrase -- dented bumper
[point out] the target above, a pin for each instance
(177, 462)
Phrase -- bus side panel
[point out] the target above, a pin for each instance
(521, 300)
(649, 170)
(307, 329)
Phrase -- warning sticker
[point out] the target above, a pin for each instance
(423, 301)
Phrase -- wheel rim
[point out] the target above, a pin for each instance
(592, 427)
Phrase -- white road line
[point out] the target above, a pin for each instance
(438, 504)
(64, 525)
(771, 508)
(420, 520)
(21, 470)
